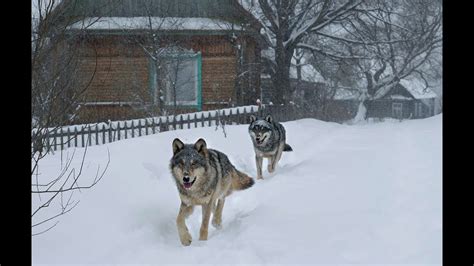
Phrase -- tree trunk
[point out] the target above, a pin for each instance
(156, 93)
(281, 81)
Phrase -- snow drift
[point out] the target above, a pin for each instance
(368, 193)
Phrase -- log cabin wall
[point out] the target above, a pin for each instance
(116, 71)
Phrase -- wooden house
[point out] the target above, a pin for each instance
(148, 57)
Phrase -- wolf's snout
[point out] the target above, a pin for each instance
(186, 179)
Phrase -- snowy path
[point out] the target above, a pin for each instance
(347, 194)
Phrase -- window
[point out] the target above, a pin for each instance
(178, 76)
(397, 110)
(418, 109)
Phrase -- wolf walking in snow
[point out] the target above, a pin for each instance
(203, 177)
(269, 141)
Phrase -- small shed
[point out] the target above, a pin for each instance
(409, 99)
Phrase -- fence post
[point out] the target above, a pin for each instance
(126, 130)
(110, 132)
(103, 133)
(139, 127)
(189, 122)
(167, 124)
(133, 130)
(75, 137)
(82, 138)
(118, 130)
(96, 134)
(146, 126)
(161, 126)
(53, 142)
(89, 135)
(61, 136)
(238, 116)
(68, 137)
(153, 125)
(195, 121)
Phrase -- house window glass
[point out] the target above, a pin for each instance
(397, 110)
(177, 78)
(180, 81)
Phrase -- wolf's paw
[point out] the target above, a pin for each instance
(185, 239)
(217, 223)
(270, 169)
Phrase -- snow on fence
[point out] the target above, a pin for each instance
(101, 133)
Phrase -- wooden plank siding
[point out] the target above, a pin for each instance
(383, 108)
(218, 75)
(116, 78)
(121, 73)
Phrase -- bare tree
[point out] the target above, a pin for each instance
(56, 94)
(385, 42)
(156, 45)
(287, 26)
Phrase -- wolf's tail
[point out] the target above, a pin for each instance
(287, 148)
(241, 181)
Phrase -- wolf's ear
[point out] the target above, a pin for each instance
(177, 145)
(269, 118)
(252, 118)
(201, 146)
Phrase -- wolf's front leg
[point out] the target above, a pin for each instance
(206, 215)
(272, 163)
(259, 161)
(184, 212)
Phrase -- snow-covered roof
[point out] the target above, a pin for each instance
(308, 73)
(385, 89)
(346, 94)
(158, 23)
(399, 97)
(417, 88)
(224, 9)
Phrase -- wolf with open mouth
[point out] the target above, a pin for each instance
(269, 141)
(203, 177)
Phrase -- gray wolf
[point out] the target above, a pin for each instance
(203, 177)
(269, 141)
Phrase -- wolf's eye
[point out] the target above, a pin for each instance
(193, 163)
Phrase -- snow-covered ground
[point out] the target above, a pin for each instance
(347, 194)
